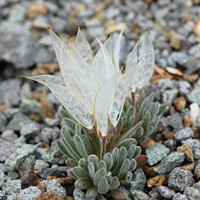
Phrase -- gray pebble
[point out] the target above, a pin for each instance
(172, 144)
(30, 129)
(52, 122)
(54, 186)
(180, 58)
(192, 193)
(174, 159)
(13, 86)
(18, 157)
(197, 186)
(18, 13)
(179, 196)
(179, 179)
(40, 165)
(30, 193)
(183, 134)
(156, 153)
(139, 195)
(49, 134)
(12, 187)
(194, 96)
(9, 135)
(165, 192)
(195, 144)
(3, 121)
(175, 121)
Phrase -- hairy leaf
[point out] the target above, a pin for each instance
(103, 186)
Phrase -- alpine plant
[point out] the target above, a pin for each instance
(98, 136)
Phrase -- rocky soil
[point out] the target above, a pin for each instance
(31, 167)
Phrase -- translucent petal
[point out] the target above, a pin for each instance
(83, 64)
(49, 78)
(83, 47)
(120, 92)
(108, 46)
(116, 51)
(146, 61)
(131, 61)
(102, 65)
(56, 44)
(75, 78)
(77, 106)
(102, 103)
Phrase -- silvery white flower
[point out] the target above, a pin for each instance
(92, 88)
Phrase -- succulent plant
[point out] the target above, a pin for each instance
(98, 136)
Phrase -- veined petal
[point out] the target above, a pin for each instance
(83, 47)
(108, 46)
(102, 104)
(75, 78)
(47, 78)
(146, 61)
(116, 52)
(120, 92)
(83, 64)
(77, 106)
(131, 61)
(102, 65)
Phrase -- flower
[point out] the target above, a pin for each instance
(93, 88)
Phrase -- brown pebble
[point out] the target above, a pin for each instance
(49, 196)
(196, 132)
(187, 150)
(4, 106)
(187, 121)
(63, 180)
(188, 166)
(190, 77)
(197, 171)
(157, 180)
(69, 198)
(169, 135)
(197, 28)
(180, 103)
(149, 143)
(36, 9)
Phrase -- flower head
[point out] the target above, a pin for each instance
(92, 88)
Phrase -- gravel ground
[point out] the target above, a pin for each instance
(31, 167)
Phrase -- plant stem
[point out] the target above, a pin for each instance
(133, 98)
(114, 138)
(93, 141)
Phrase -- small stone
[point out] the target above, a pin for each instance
(197, 28)
(156, 153)
(197, 171)
(30, 193)
(139, 195)
(26, 166)
(175, 121)
(171, 144)
(180, 103)
(18, 122)
(31, 129)
(49, 195)
(197, 154)
(180, 58)
(169, 135)
(193, 63)
(54, 186)
(170, 95)
(12, 186)
(188, 122)
(58, 24)
(9, 135)
(184, 87)
(195, 144)
(179, 196)
(138, 181)
(18, 13)
(36, 9)
(169, 162)
(78, 194)
(52, 122)
(157, 180)
(179, 179)
(2, 178)
(3, 121)
(194, 96)
(191, 193)
(40, 165)
(30, 106)
(48, 134)
(13, 86)
(187, 150)
(18, 157)
(43, 55)
(183, 134)
(149, 170)
(165, 192)
(197, 186)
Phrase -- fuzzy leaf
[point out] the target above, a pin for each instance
(108, 46)
(124, 169)
(80, 172)
(146, 122)
(115, 154)
(91, 170)
(101, 164)
(69, 124)
(108, 160)
(126, 143)
(139, 133)
(74, 103)
(80, 146)
(103, 186)
(133, 165)
(114, 184)
(99, 175)
(88, 145)
(162, 109)
(71, 163)
(153, 110)
(128, 177)
(137, 152)
(93, 159)
(131, 151)
(91, 193)
(150, 131)
(102, 104)
(146, 61)
(83, 163)
(130, 117)
(62, 149)
(83, 47)
(82, 183)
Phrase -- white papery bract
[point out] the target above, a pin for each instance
(93, 89)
